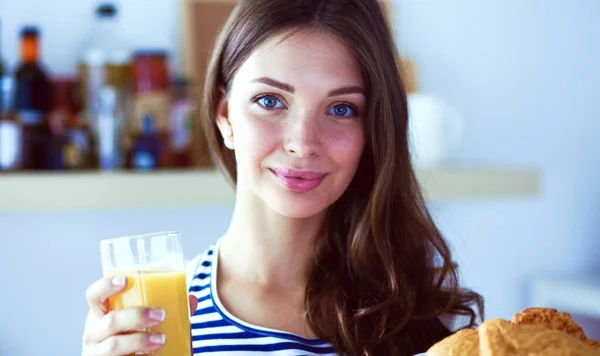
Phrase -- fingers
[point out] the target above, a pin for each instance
(122, 321)
(127, 344)
(99, 292)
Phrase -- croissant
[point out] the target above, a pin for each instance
(532, 332)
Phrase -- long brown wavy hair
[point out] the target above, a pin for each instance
(383, 276)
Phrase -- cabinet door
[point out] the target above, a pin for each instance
(202, 21)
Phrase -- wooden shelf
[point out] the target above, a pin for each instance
(175, 189)
(453, 183)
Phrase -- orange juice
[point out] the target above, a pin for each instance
(165, 290)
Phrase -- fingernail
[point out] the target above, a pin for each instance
(157, 339)
(157, 314)
(118, 281)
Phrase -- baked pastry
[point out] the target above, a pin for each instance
(555, 320)
(499, 337)
(551, 319)
(532, 332)
(463, 342)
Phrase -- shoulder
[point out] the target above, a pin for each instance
(201, 261)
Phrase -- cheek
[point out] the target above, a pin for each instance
(254, 136)
(346, 146)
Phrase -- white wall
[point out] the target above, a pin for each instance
(525, 75)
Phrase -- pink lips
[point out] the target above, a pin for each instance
(298, 181)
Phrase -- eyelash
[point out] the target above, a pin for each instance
(352, 107)
(262, 96)
(256, 100)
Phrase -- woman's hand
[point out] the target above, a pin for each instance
(116, 333)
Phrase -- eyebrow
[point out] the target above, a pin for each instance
(347, 90)
(283, 86)
(275, 83)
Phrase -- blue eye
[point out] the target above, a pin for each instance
(343, 110)
(270, 102)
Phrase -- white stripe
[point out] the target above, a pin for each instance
(205, 304)
(206, 317)
(253, 341)
(201, 282)
(202, 293)
(203, 269)
(217, 330)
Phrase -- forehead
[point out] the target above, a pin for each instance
(303, 57)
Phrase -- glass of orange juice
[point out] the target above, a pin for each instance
(154, 267)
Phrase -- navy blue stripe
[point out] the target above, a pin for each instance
(206, 297)
(199, 288)
(210, 324)
(210, 252)
(229, 336)
(280, 335)
(206, 263)
(268, 347)
(207, 310)
(202, 275)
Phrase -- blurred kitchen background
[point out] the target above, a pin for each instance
(504, 101)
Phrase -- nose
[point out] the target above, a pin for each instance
(302, 136)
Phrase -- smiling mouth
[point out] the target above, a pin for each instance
(298, 181)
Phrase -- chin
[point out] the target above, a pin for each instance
(298, 207)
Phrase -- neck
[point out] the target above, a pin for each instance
(266, 248)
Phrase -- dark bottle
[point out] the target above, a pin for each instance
(33, 103)
(57, 121)
(147, 147)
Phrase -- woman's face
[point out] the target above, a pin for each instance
(294, 118)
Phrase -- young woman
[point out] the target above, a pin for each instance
(330, 249)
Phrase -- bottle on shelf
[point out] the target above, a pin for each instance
(109, 129)
(147, 149)
(10, 130)
(181, 125)
(105, 61)
(33, 101)
(57, 120)
(150, 100)
(2, 64)
(72, 139)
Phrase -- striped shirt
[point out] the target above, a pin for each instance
(217, 332)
